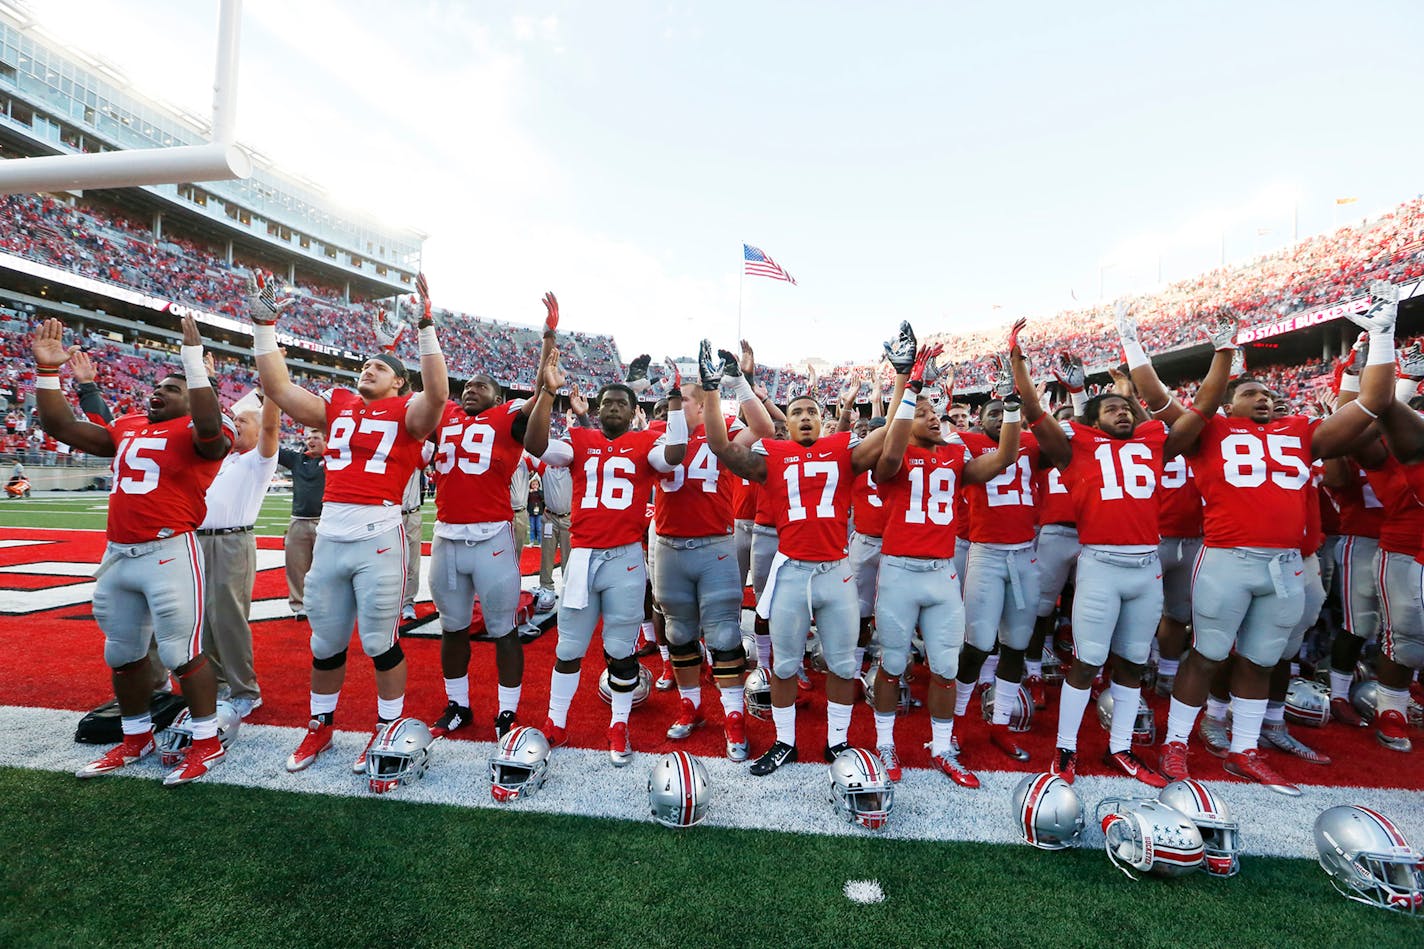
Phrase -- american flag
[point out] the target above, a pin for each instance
(758, 264)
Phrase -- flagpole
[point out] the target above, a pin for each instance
(741, 282)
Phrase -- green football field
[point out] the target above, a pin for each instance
(126, 862)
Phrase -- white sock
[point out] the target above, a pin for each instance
(692, 693)
(646, 630)
(1005, 695)
(1072, 703)
(388, 710)
(941, 735)
(990, 666)
(1216, 708)
(323, 704)
(1034, 669)
(1275, 713)
(1246, 716)
(204, 727)
(1340, 685)
(140, 724)
(785, 721)
(665, 653)
(1391, 700)
(763, 646)
(1180, 719)
(622, 705)
(962, 694)
(509, 697)
(884, 729)
(1125, 702)
(458, 691)
(562, 686)
(734, 699)
(837, 723)
(1168, 667)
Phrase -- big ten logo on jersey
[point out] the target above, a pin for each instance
(699, 468)
(1012, 487)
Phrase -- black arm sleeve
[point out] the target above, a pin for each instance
(91, 402)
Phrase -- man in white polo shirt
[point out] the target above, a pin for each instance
(230, 551)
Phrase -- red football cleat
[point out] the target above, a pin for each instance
(950, 766)
(1134, 767)
(887, 756)
(555, 734)
(1251, 766)
(314, 742)
(735, 726)
(689, 719)
(1173, 761)
(620, 746)
(1392, 731)
(132, 748)
(1065, 764)
(1343, 712)
(200, 758)
(1037, 692)
(1001, 738)
(359, 765)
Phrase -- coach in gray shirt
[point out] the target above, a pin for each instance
(308, 484)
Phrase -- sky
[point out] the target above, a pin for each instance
(951, 164)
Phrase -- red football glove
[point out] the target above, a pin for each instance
(551, 319)
(422, 290)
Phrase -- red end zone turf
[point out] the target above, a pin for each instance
(55, 660)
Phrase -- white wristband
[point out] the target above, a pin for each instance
(1381, 349)
(193, 368)
(676, 428)
(429, 344)
(47, 382)
(1012, 416)
(742, 389)
(264, 339)
(1405, 389)
(1080, 402)
(1136, 357)
(1349, 383)
(906, 408)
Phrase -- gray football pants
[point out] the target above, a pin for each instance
(923, 593)
(460, 570)
(356, 583)
(617, 577)
(1249, 598)
(1116, 605)
(1000, 596)
(804, 589)
(695, 583)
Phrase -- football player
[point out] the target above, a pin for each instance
(475, 552)
(613, 470)
(152, 571)
(1361, 520)
(808, 481)
(695, 579)
(920, 476)
(1247, 591)
(375, 435)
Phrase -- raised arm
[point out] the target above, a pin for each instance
(1159, 401)
(269, 439)
(264, 308)
(845, 417)
(56, 414)
(551, 378)
(91, 400)
(546, 344)
(209, 439)
(904, 355)
(674, 442)
(1052, 443)
(423, 412)
(897, 431)
(1403, 427)
(738, 458)
(738, 374)
(1221, 330)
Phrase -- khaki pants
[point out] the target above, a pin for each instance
(231, 567)
(556, 537)
(297, 544)
(521, 530)
(413, 523)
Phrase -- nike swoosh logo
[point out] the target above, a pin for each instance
(632, 568)
(382, 412)
(496, 553)
(723, 557)
(1299, 572)
(170, 560)
(824, 454)
(381, 550)
(847, 580)
(624, 451)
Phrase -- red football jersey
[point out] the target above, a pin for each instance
(1314, 534)
(160, 481)
(695, 498)
(866, 504)
(919, 502)
(369, 454)
(1252, 481)
(744, 499)
(1055, 505)
(1179, 503)
(1402, 531)
(1361, 513)
(475, 457)
(1113, 483)
(765, 515)
(1002, 511)
(808, 489)
(612, 487)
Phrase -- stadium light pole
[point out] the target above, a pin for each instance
(222, 159)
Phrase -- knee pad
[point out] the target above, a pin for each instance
(623, 673)
(894, 661)
(330, 662)
(970, 659)
(728, 664)
(173, 655)
(944, 663)
(685, 655)
(389, 659)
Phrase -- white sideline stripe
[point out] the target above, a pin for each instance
(584, 782)
(22, 543)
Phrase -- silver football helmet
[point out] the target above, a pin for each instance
(903, 702)
(1144, 727)
(1047, 812)
(520, 764)
(1307, 702)
(641, 691)
(1150, 837)
(174, 740)
(399, 754)
(861, 789)
(1369, 860)
(678, 792)
(1020, 718)
(1052, 667)
(758, 692)
(1221, 835)
(1362, 697)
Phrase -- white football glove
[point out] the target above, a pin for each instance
(1384, 307)
(1221, 329)
(1126, 322)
